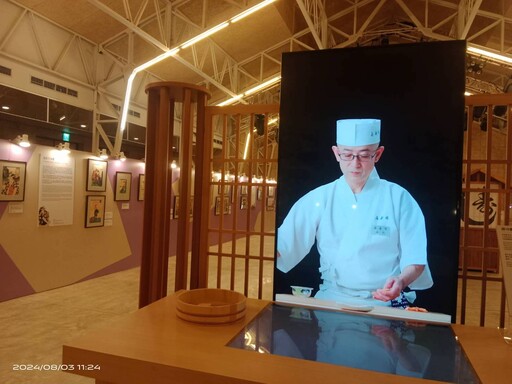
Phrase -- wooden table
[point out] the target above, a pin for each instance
(153, 346)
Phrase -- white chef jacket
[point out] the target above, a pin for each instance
(362, 238)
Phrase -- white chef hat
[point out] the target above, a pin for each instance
(357, 132)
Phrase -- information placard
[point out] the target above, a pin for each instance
(56, 189)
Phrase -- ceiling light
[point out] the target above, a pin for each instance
(230, 101)
(62, 117)
(251, 10)
(83, 125)
(64, 148)
(121, 156)
(102, 154)
(5, 107)
(174, 51)
(261, 86)
(255, 89)
(136, 138)
(174, 165)
(247, 141)
(22, 141)
(490, 55)
(204, 35)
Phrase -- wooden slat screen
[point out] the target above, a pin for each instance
(486, 203)
(239, 181)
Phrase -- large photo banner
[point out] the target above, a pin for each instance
(369, 184)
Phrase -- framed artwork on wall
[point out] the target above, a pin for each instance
(95, 211)
(259, 193)
(227, 206)
(271, 203)
(244, 202)
(96, 175)
(12, 179)
(123, 186)
(216, 211)
(176, 207)
(142, 184)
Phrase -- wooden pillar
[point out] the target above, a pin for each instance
(162, 100)
(199, 257)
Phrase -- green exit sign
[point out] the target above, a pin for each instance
(65, 136)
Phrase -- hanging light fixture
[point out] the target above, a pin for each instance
(22, 141)
(63, 148)
(102, 154)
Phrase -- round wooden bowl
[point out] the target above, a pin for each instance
(210, 305)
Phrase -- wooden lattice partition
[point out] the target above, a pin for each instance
(487, 188)
(239, 191)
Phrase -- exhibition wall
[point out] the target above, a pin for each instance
(35, 257)
(78, 243)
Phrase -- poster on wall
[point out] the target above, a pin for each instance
(12, 187)
(400, 135)
(95, 211)
(56, 189)
(142, 187)
(96, 175)
(123, 186)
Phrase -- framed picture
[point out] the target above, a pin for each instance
(96, 175)
(244, 190)
(227, 206)
(95, 211)
(12, 187)
(271, 191)
(244, 202)
(477, 210)
(259, 193)
(227, 189)
(142, 184)
(123, 186)
(271, 203)
(216, 211)
(176, 207)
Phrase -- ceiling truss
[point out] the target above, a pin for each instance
(357, 23)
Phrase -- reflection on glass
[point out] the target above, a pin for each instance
(398, 347)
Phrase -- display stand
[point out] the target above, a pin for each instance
(505, 246)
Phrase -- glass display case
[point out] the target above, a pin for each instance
(400, 347)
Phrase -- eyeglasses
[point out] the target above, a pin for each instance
(361, 157)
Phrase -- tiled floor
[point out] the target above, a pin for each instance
(34, 328)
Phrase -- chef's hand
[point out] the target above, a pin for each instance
(391, 290)
(395, 284)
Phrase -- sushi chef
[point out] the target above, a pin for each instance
(370, 232)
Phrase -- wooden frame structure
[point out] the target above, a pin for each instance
(245, 163)
(488, 153)
(163, 98)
